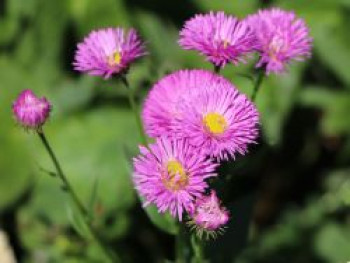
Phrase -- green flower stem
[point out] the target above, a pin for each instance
(258, 81)
(81, 208)
(135, 110)
(197, 250)
(61, 175)
(180, 247)
(217, 69)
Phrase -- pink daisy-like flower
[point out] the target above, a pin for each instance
(219, 120)
(166, 100)
(171, 174)
(219, 37)
(30, 111)
(208, 216)
(281, 37)
(108, 51)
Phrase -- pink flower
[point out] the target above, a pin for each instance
(108, 51)
(219, 37)
(282, 37)
(165, 102)
(30, 111)
(208, 216)
(171, 174)
(219, 120)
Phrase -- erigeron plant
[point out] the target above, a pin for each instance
(197, 118)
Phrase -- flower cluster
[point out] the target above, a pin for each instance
(277, 35)
(204, 108)
(197, 118)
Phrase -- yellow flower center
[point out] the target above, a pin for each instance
(226, 43)
(276, 47)
(176, 177)
(114, 59)
(215, 123)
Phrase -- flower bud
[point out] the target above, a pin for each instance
(30, 111)
(208, 216)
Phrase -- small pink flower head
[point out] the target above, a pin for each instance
(30, 111)
(164, 104)
(281, 36)
(108, 51)
(171, 174)
(219, 37)
(208, 217)
(219, 120)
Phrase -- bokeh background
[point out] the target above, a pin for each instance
(289, 197)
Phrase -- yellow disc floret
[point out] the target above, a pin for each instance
(226, 43)
(114, 59)
(176, 177)
(215, 123)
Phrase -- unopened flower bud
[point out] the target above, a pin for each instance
(30, 111)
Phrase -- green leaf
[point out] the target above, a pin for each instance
(77, 221)
(275, 99)
(8, 28)
(161, 35)
(164, 221)
(333, 104)
(332, 243)
(16, 167)
(91, 14)
(93, 197)
(239, 8)
(333, 50)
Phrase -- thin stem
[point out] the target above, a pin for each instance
(67, 186)
(217, 69)
(135, 110)
(258, 81)
(179, 247)
(81, 208)
(197, 249)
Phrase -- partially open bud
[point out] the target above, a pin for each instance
(208, 218)
(30, 111)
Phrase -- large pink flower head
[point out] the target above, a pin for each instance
(219, 37)
(281, 36)
(219, 120)
(30, 111)
(108, 51)
(208, 216)
(164, 104)
(171, 174)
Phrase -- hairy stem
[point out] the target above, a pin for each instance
(179, 247)
(257, 84)
(217, 69)
(134, 108)
(81, 208)
(198, 256)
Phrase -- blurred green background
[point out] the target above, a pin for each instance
(294, 185)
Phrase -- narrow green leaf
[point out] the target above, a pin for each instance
(164, 222)
(77, 221)
(93, 196)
